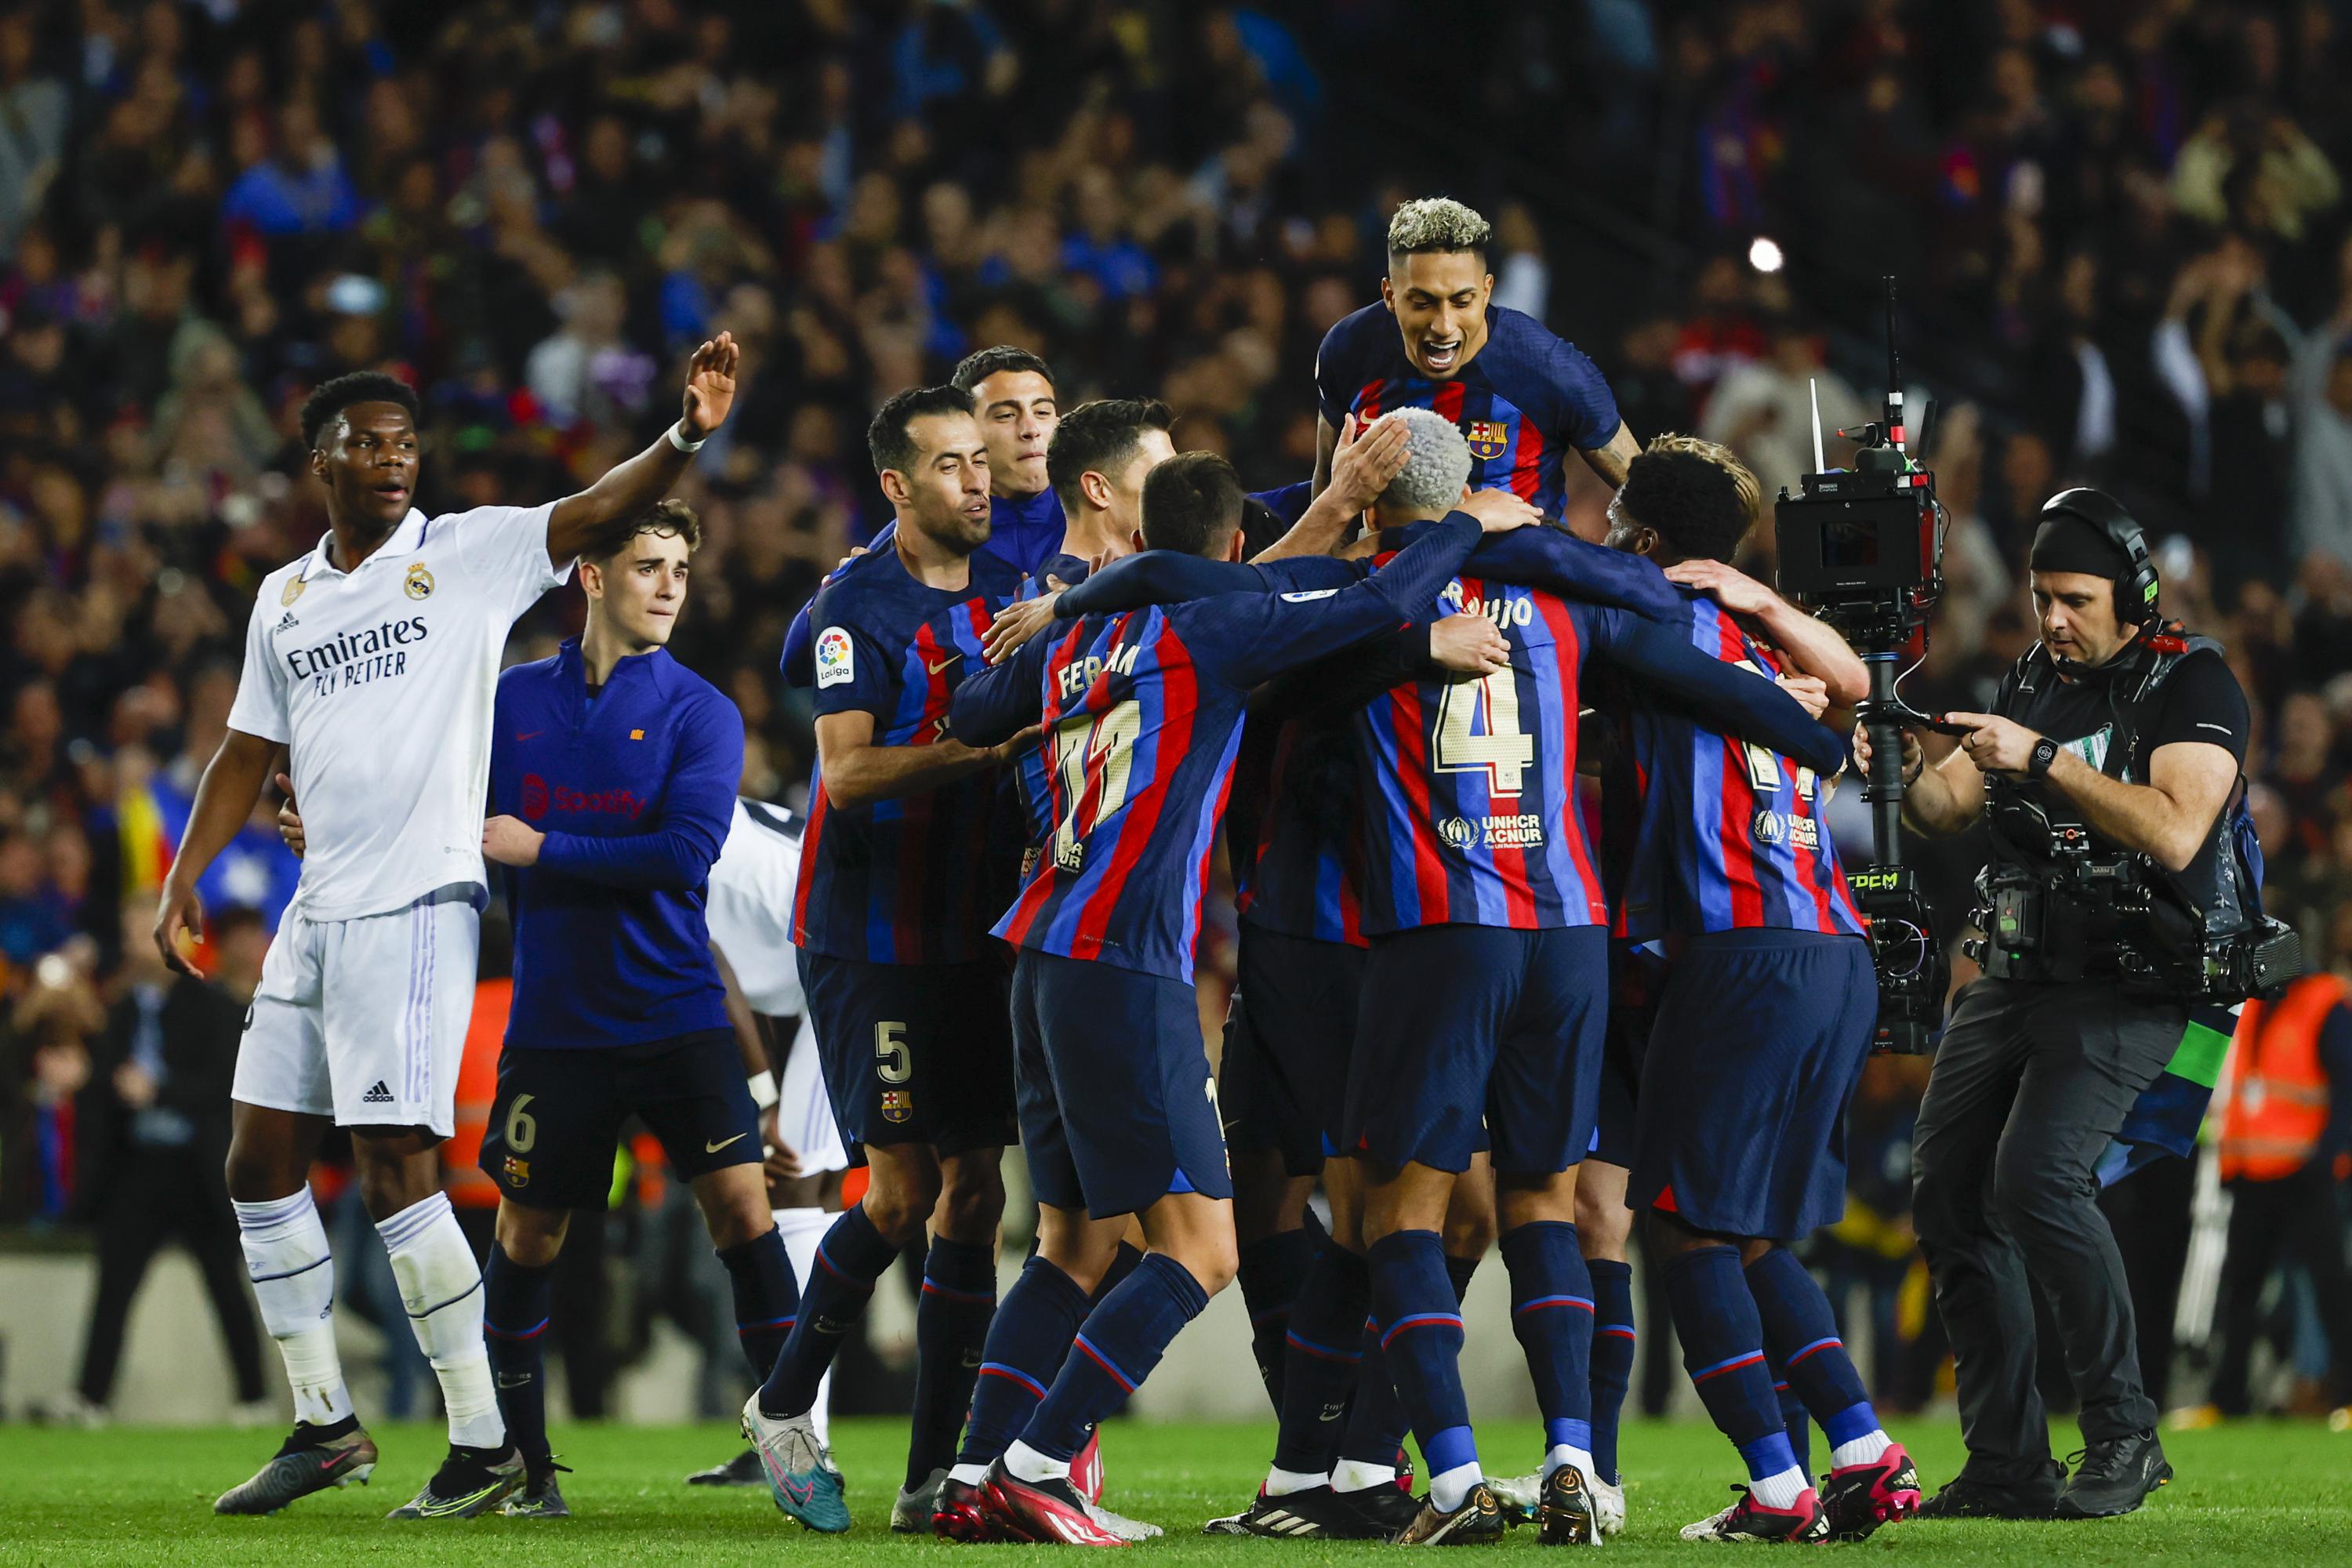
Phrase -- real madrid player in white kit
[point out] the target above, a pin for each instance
(749, 911)
(375, 657)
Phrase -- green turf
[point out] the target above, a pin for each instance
(2278, 1496)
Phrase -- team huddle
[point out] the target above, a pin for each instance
(1540, 930)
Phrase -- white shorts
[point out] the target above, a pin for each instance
(804, 1118)
(365, 1020)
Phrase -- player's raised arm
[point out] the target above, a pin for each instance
(1812, 646)
(1612, 460)
(1361, 463)
(634, 486)
(1748, 705)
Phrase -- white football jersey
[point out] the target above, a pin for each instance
(382, 680)
(750, 907)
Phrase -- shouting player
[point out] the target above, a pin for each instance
(613, 774)
(1521, 396)
(1119, 1116)
(1742, 928)
(375, 657)
(898, 876)
(1476, 869)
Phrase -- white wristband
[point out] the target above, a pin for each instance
(763, 1090)
(682, 444)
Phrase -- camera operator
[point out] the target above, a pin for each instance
(2107, 766)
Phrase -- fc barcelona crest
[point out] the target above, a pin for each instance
(1487, 439)
(517, 1171)
(897, 1104)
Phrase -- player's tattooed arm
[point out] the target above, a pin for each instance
(225, 797)
(1610, 462)
(1812, 646)
(634, 485)
(1744, 704)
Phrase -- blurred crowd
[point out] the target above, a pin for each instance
(2122, 232)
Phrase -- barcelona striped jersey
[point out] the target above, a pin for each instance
(1469, 787)
(1729, 833)
(1142, 712)
(913, 880)
(1525, 401)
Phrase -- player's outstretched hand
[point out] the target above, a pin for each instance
(1811, 693)
(289, 821)
(710, 385)
(1498, 511)
(1469, 645)
(1733, 589)
(179, 910)
(1913, 758)
(511, 841)
(1006, 751)
(1365, 458)
(1016, 624)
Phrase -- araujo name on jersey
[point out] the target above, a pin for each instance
(354, 658)
(1506, 612)
(1079, 675)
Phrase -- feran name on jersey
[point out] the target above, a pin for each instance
(1521, 830)
(1079, 675)
(354, 658)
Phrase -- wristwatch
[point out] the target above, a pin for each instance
(2045, 752)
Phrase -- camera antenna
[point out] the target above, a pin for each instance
(1894, 431)
(1813, 389)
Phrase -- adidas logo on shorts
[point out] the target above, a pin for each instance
(379, 1095)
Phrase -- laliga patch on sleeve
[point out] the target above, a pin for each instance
(1309, 595)
(836, 662)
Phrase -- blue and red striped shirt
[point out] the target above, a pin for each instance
(1728, 835)
(1469, 787)
(913, 880)
(1142, 711)
(1524, 402)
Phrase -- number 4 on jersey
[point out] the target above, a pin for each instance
(1501, 749)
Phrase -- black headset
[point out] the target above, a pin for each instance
(2136, 590)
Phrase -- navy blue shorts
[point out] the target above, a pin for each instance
(1283, 1079)
(1759, 1038)
(913, 1053)
(1461, 1024)
(556, 1122)
(1632, 1008)
(1117, 1108)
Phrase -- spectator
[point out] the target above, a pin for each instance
(153, 1139)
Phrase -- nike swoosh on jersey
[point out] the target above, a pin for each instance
(714, 1148)
(935, 668)
(529, 735)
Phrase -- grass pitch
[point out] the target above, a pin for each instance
(2273, 1495)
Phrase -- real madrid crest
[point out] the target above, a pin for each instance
(294, 586)
(420, 581)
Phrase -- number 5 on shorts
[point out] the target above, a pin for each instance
(891, 1063)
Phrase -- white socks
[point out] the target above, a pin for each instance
(1863, 1450)
(969, 1475)
(294, 1276)
(1355, 1476)
(441, 1287)
(1280, 1482)
(1562, 1454)
(1448, 1488)
(1781, 1490)
(801, 1230)
(1027, 1464)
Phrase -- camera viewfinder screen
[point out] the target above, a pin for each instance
(1848, 545)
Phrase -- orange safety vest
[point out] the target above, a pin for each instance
(478, 1089)
(2277, 1105)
